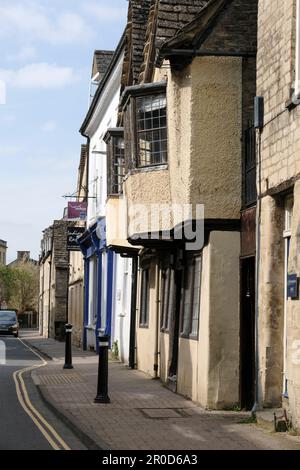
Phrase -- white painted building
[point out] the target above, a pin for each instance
(107, 274)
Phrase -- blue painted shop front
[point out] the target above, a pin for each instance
(98, 281)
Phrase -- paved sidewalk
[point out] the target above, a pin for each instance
(143, 414)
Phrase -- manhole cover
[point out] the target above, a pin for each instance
(163, 413)
(60, 379)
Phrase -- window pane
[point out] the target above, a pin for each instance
(144, 313)
(187, 300)
(151, 130)
(196, 297)
(191, 297)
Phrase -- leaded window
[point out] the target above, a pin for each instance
(191, 297)
(145, 125)
(114, 139)
(151, 130)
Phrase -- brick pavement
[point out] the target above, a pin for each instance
(143, 414)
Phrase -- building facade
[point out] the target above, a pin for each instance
(188, 84)
(107, 274)
(54, 280)
(3, 251)
(76, 264)
(278, 328)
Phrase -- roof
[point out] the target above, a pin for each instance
(102, 84)
(174, 15)
(137, 20)
(224, 26)
(189, 35)
(150, 24)
(101, 62)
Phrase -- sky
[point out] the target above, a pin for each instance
(46, 57)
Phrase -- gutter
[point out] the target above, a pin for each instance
(164, 53)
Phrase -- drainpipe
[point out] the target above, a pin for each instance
(156, 352)
(256, 406)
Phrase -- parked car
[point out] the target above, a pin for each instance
(9, 324)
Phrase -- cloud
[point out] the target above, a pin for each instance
(49, 126)
(24, 54)
(32, 21)
(39, 75)
(106, 13)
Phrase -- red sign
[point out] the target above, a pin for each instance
(77, 210)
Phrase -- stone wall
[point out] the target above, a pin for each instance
(280, 157)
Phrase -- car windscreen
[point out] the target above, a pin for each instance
(7, 316)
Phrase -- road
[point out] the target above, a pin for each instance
(25, 422)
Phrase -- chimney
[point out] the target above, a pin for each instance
(23, 256)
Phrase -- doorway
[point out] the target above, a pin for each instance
(247, 333)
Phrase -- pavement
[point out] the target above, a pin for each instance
(143, 414)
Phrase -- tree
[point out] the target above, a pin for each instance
(19, 287)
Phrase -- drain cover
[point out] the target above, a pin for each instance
(60, 379)
(162, 413)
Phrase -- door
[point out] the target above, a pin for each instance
(174, 332)
(247, 333)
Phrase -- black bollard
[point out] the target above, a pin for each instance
(68, 355)
(102, 389)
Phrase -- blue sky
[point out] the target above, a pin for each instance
(46, 56)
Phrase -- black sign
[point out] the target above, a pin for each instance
(292, 286)
(72, 238)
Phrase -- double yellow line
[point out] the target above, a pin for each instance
(54, 439)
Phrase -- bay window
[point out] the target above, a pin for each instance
(145, 125)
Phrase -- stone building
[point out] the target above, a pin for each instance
(278, 73)
(3, 250)
(23, 257)
(76, 265)
(188, 84)
(54, 280)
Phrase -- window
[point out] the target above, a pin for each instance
(168, 293)
(145, 125)
(114, 139)
(145, 291)
(250, 191)
(191, 297)
(151, 130)
(95, 290)
(288, 214)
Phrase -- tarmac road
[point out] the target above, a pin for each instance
(25, 421)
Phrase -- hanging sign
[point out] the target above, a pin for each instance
(72, 238)
(77, 210)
